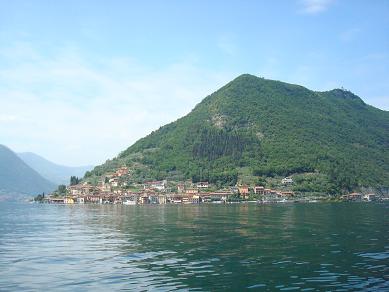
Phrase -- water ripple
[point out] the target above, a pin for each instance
(303, 247)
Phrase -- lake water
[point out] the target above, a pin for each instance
(307, 247)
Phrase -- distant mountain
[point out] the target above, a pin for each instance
(255, 129)
(16, 177)
(56, 173)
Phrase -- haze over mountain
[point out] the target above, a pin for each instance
(56, 173)
(17, 178)
(254, 128)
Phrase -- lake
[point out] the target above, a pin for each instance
(306, 247)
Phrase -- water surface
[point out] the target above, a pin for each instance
(307, 247)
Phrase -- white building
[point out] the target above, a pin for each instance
(202, 185)
(157, 185)
(287, 180)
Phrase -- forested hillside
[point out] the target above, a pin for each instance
(252, 127)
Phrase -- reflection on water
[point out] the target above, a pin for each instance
(334, 247)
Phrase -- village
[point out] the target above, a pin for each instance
(114, 188)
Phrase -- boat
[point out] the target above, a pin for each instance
(129, 202)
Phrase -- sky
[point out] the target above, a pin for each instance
(80, 81)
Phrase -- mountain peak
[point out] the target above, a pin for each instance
(246, 76)
(344, 93)
(247, 79)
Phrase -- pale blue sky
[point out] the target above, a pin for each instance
(82, 80)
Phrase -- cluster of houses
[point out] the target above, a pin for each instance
(87, 193)
(113, 189)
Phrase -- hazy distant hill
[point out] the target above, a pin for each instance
(16, 177)
(331, 141)
(56, 173)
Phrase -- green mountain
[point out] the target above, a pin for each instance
(17, 178)
(254, 129)
(56, 173)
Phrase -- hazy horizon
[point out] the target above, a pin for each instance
(80, 82)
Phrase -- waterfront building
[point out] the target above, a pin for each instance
(259, 190)
(244, 191)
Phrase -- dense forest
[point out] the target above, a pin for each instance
(253, 127)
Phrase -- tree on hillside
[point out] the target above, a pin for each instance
(61, 189)
(74, 180)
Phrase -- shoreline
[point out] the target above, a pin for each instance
(263, 203)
